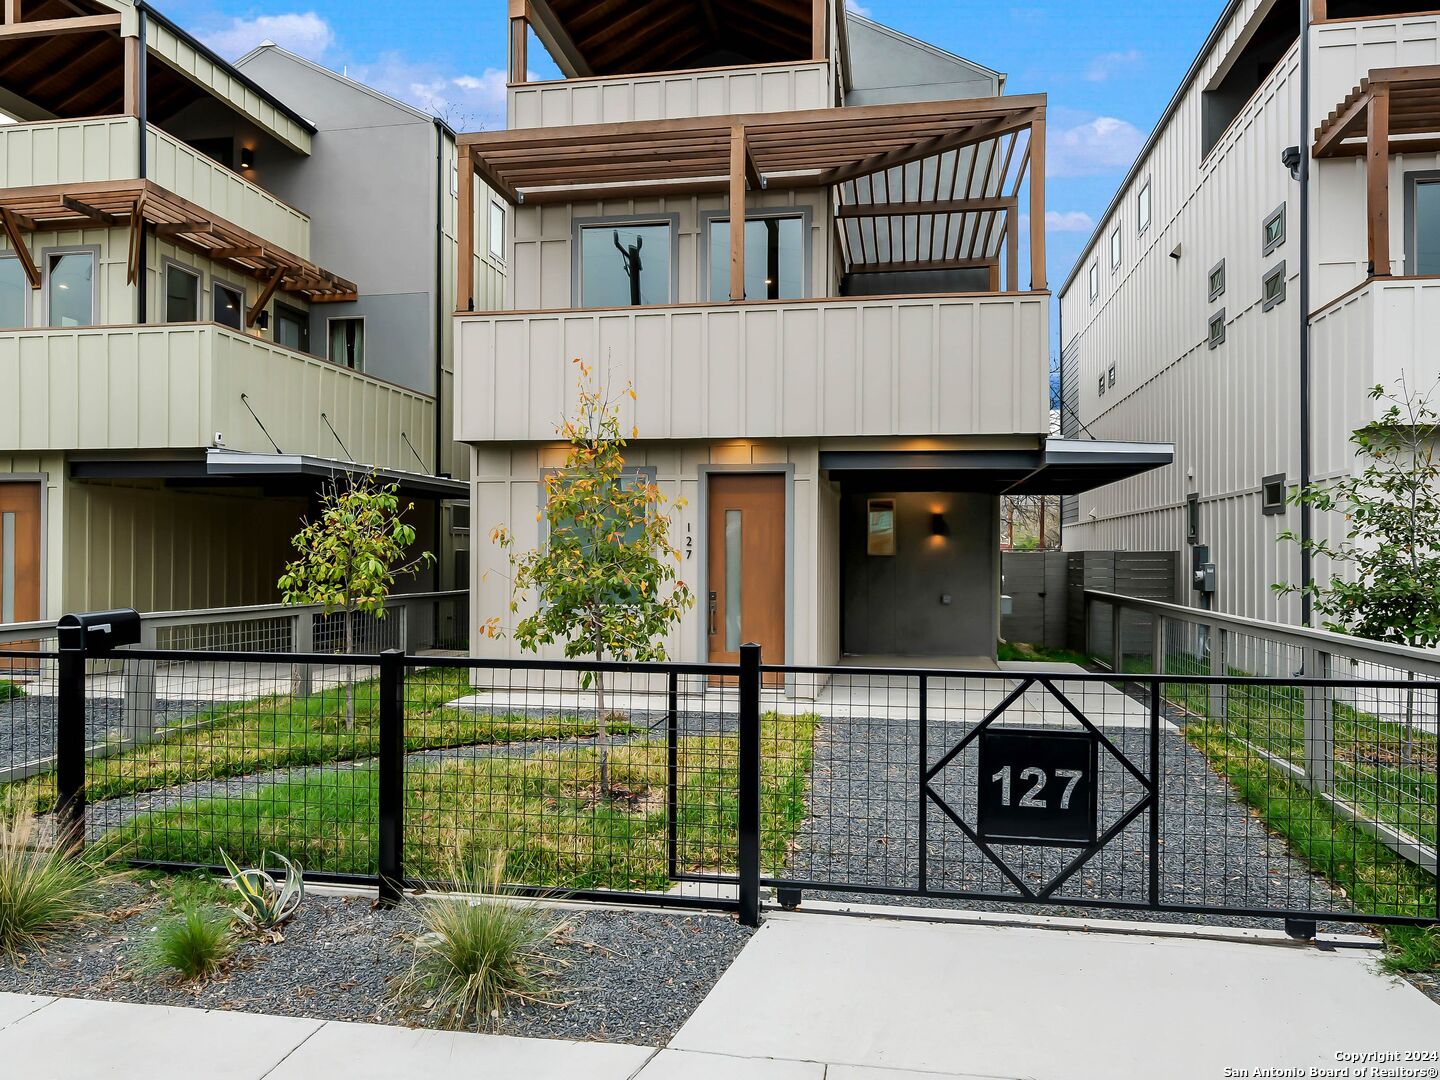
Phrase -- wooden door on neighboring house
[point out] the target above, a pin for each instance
(745, 601)
(19, 566)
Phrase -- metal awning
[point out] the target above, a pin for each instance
(1059, 467)
(295, 474)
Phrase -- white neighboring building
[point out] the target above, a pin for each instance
(1180, 321)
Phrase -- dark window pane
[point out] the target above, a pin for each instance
(622, 265)
(347, 343)
(182, 295)
(14, 293)
(71, 291)
(1427, 228)
(774, 259)
(292, 328)
(228, 307)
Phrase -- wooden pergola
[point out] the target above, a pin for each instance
(871, 154)
(130, 203)
(1393, 110)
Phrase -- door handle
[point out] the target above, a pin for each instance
(714, 605)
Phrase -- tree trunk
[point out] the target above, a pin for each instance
(602, 736)
(349, 671)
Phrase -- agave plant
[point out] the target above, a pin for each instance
(265, 903)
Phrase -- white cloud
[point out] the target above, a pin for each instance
(1076, 221)
(466, 102)
(1096, 147)
(1108, 65)
(304, 33)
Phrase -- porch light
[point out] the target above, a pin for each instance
(938, 527)
(247, 157)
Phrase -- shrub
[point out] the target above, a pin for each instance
(10, 690)
(194, 943)
(41, 888)
(478, 952)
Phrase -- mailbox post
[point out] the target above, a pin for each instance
(80, 638)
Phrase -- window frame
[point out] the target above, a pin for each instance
(1117, 248)
(1218, 268)
(1267, 245)
(498, 256)
(47, 256)
(27, 303)
(166, 265)
(1144, 200)
(1102, 386)
(275, 308)
(1268, 508)
(1110, 376)
(1269, 302)
(1216, 318)
(1095, 279)
(709, 217)
(221, 283)
(611, 221)
(649, 473)
(330, 322)
(1412, 220)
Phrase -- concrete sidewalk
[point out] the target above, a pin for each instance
(831, 997)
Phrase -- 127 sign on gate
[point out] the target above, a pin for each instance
(1038, 787)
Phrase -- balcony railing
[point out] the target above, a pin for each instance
(919, 365)
(1375, 335)
(177, 385)
(106, 148)
(671, 95)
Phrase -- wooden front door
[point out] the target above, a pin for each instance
(746, 567)
(19, 565)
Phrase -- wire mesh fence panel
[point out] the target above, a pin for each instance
(572, 780)
(236, 753)
(27, 713)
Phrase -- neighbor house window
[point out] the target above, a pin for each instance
(1217, 328)
(347, 343)
(1110, 376)
(227, 306)
(292, 328)
(1094, 280)
(71, 289)
(880, 527)
(14, 292)
(1424, 226)
(1272, 494)
(1101, 385)
(182, 294)
(1142, 208)
(1273, 288)
(1217, 282)
(1192, 518)
(1274, 230)
(1115, 249)
(625, 264)
(774, 258)
(497, 231)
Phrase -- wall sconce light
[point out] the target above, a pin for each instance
(247, 157)
(262, 321)
(938, 527)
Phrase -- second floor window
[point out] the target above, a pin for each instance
(14, 293)
(292, 328)
(182, 294)
(71, 289)
(347, 343)
(1115, 249)
(227, 306)
(1426, 211)
(1094, 280)
(774, 258)
(624, 264)
(1142, 209)
(497, 231)
(1274, 230)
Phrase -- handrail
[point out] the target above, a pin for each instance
(1424, 661)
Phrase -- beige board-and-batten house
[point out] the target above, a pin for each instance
(191, 340)
(816, 247)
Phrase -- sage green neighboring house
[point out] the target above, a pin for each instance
(191, 341)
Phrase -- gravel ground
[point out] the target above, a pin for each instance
(27, 724)
(623, 976)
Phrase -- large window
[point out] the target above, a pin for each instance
(292, 328)
(14, 292)
(347, 343)
(625, 264)
(182, 294)
(774, 258)
(71, 288)
(228, 306)
(1425, 226)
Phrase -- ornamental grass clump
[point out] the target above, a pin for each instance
(478, 953)
(194, 943)
(42, 887)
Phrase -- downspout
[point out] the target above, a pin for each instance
(142, 271)
(1307, 569)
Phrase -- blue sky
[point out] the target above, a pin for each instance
(1109, 66)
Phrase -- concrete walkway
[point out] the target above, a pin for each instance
(832, 997)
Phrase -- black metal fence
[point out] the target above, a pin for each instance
(703, 785)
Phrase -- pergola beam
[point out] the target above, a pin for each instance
(27, 262)
(100, 217)
(740, 164)
(1036, 150)
(465, 233)
(265, 295)
(920, 209)
(928, 264)
(939, 144)
(1377, 179)
(82, 24)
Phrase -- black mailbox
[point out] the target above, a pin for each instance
(99, 631)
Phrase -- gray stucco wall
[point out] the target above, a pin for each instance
(370, 190)
(893, 605)
(888, 67)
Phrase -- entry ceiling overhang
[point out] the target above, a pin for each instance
(295, 474)
(1060, 467)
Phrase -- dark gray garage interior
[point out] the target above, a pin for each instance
(937, 595)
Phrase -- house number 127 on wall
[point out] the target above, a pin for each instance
(1037, 779)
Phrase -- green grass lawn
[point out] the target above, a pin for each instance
(542, 810)
(1019, 650)
(284, 731)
